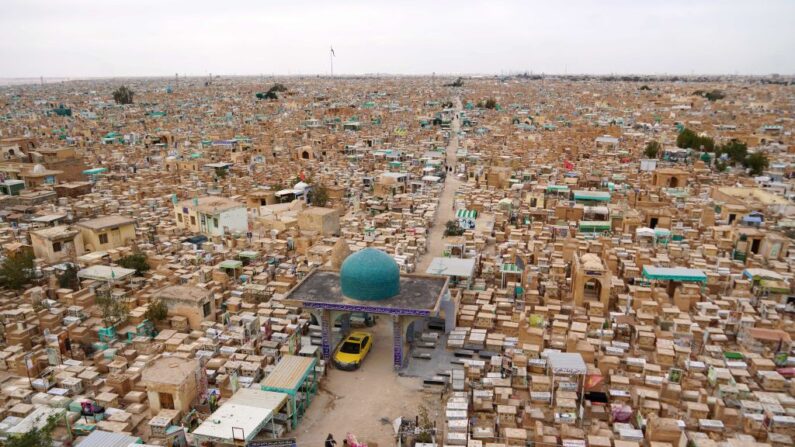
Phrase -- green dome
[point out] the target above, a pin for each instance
(370, 275)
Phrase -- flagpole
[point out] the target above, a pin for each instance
(331, 60)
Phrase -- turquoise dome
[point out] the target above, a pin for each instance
(370, 275)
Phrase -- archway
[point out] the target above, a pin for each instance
(592, 290)
(673, 182)
(305, 155)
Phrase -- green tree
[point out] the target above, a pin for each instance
(69, 279)
(319, 195)
(17, 270)
(686, 139)
(156, 311)
(652, 149)
(451, 228)
(135, 261)
(123, 95)
(714, 95)
(113, 310)
(756, 162)
(721, 166)
(736, 150)
(36, 437)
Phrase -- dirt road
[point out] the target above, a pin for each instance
(365, 401)
(444, 211)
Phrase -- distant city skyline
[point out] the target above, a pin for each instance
(93, 38)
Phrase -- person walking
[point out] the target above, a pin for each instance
(330, 442)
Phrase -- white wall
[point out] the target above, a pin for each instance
(236, 220)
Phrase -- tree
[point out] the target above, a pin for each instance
(35, 437)
(687, 139)
(451, 228)
(135, 261)
(157, 311)
(69, 279)
(756, 162)
(113, 310)
(123, 95)
(714, 95)
(652, 149)
(319, 195)
(458, 83)
(721, 166)
(736, 150)
(17, 270)
(272, 92)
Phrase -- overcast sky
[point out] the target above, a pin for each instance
(81, 38)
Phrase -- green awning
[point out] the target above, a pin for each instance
(249, 254)
(231, 264)
(596, 196)
(466, 214)
(730, 355)
(557, 188)
(94, 171)
(510, 268)
(594, 225)
(674, 274)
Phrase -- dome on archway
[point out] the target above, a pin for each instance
(370, 275)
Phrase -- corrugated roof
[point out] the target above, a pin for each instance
(99, 438)
(288, 373)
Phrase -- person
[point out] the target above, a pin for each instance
(330, 442)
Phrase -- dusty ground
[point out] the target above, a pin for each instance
(361, 401)
(444, 210)
(364, 402)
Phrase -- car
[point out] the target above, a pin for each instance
(352, 351)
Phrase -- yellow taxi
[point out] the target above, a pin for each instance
(352, 350)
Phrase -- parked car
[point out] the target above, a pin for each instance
(352, 351)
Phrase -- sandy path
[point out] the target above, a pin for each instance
(444, 211)
(357, 401)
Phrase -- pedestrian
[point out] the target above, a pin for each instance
(330, 442)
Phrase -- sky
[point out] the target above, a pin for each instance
(116, 38)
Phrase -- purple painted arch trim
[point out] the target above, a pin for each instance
(364, 308)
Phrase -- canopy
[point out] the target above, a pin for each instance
(466, 214)
(248, 410)
(674, 274)
(557, 188)
(510, 268)
(463, 268)
(566, 363)
(594, 225)
(230, 264)
(431, 178)
(597, 196)
(94, 171)
(105, 273)
(755, 273)
(250, 254)
(775, 285)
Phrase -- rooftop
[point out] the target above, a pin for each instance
(101, 223)
(169, 371)
(183, 293)
(210, 205)
(419, 294)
